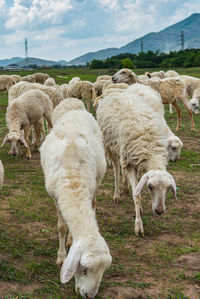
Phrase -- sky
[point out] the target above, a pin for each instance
(63, 30)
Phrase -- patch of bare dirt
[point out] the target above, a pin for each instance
(13, 287)
(123, 293)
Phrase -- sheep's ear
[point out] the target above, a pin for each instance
(148, 74)
(174, 189)
(23, 140)
(4, 140)
(70, 264)
(141, 184)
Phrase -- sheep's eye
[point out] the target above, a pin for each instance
(174, 148)
(85, 271)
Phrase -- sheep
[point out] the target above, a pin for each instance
(82, 90)
(54, 95)
(159, 74)
(6, 82)
(49, 82)
(1, 174)
(65, 106)
(119, 87)
(104, 77)
(131, 132)
(27, 109)
(98, 86)
(40, 77)
(153, 99)
(194, 105)
(17, 78)
(170, 90)
(29, 78)
(63, 89)
(74, 80)
(13, 92)
(73, 161)
(193, 88)
(170, 73)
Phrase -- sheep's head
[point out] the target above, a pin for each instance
(87, 265)
(14, 138)
(158, 183)
(174, 145)
(125, 76)
(194, 106)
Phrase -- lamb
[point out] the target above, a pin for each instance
(73, 161)
(130, 131)
(49, 82)
(104, 77)
(6, 82)
(40, 77)
(194, 106)
(27, 109)
(54, 95)
(65, 106)
(159, 74)
(170, 90)
(29, 78)
(82, 90)
(1, 174)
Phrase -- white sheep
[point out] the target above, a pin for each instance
(104, 77)
(49, 82)
(170, 90)
(17, 78)
(13, 92)
(65, 106)
(83, 90)
(98, 86)
(131, 131)
(74, 80)
(153, 99)
(73, 161)
(159, 74)
(29, 108)
(170, 73)
(193, 90)
(54, 95)
(63, 89)
(1, 174)
(29, 78)
(40, 77)
(6, 82)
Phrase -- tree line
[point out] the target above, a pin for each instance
(149, 59)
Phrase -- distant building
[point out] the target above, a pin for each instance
(12, 67)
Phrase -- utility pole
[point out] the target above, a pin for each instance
(182, 40)
(26, 51)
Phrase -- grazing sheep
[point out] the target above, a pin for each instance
(104, 77)
(73, 161)
(192, 86)
(6, 82)
(159, 74)
(40, 77)
(170, 90)
(153, 99)
(74, 80)
(63, 89)
(49, 82)
(29, 108)
(65, 106)
(83, 90)
(170, 73)
(17, 78)
(13, 92)
(1, 174)
(131, 131)
(194, 106)
(98, 86)
(29, 78)
(54, 95)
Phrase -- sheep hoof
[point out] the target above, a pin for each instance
(28, 156)
(60, 260)
(116, 199)
(68, 244)
(139, 229)
(192, 129)
(177, 128)
(126, 190)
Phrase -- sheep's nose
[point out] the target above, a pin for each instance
(14, 154)
(159, 210)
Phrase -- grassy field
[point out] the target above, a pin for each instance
(162, 264)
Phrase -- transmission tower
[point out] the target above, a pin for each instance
(26, 51)
(182, 40)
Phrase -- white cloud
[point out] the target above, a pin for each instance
(109, 4)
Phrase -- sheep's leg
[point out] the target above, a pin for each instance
(170, 109)
(178, 110)
(132, 176)
(37, 138)
(87, 105)
(185, 103)
(62, 230)
(47, 115)
(41, 124)
(33, 135)
(125, 183)
(116, 169)
(26, 136)
(94, 202)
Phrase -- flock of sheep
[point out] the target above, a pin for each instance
(130, 130)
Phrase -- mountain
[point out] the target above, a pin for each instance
(30, 60)
(165, 40)
(14, 60)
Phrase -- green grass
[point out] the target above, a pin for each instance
(28, 233)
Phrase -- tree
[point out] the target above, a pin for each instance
(127, 63)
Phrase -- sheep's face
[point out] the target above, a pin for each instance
(14, 138)
(174, 145)
(124, 76)
(194, 106)
(87, 265)
(158, 183)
